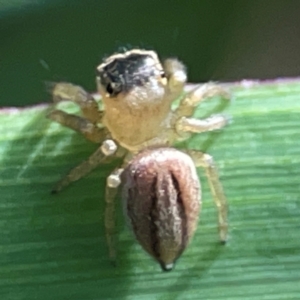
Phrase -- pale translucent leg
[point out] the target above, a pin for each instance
(69, 92)
(203, 92)
(112, 184)
(176, 74)
(197, 125)
(82, 125)
(206, 161)
(107, 149)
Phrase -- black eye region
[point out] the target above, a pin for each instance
(113, 89)
(122, 74)
(109, 89)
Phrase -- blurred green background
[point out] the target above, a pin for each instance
(52, 40)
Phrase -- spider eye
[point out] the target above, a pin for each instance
(109, 88)
(113, 89)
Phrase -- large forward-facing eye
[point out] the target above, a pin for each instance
(109, 89)
(113, 89)
(162, 74)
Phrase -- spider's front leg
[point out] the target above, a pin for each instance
(206, 161)
(86, 125)
(197, 125)
(201, 93)
(69, 92)
(82, 125)
(189, 104)
(105, 151)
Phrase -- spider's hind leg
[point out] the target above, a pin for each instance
(206, 161)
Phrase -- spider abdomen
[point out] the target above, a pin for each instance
(161, 195)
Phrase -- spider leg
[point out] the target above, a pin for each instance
(89, 130)
(200, 125)
(201, 93)
(69, 92)
(105, 151)
(176, 74)
(206, 161)
(112, 184)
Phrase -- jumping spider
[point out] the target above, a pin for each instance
(161, 189)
